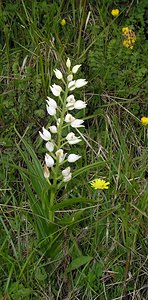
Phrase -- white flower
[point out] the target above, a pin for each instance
(67, 178)
(51, 106)
(72, 85)
(71, 98)
(69, 118)
(70, 77)
(58, 74)
(46, 172)
(51, 102)
(49, 146)
(70, 102)
(77, 123)
(60, 155)
(75, 69)
(79, 104)
(46, 135)
(73, 157)
(53, 129)
(56, 90)
(49, 160)
(80, 82)
(66, 172)
(68, 63)
(72, 139)
(51, 111)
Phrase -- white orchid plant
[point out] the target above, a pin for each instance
(57, 168)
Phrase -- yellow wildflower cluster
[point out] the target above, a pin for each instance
(129, 37)
(144, 120)
(115, 12)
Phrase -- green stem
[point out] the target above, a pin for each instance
(54, 189)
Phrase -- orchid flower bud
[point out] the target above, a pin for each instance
(79, 104)
(49, 146)
(70, 77)
(53, 129)
(75, 69)
(56, 90)
(67, 178)
(72, 85)
(66, 172)
(77, 123)
(58, 74)
(68, 63)
(49, 160)
(80, 82)
(46, 135)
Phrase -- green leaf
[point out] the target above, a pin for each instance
(70, 202)
(78, 262)
(40, 274)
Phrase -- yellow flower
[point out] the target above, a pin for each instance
(144, 120)
(125, 43)
(99, 184)
(63, 22)
(125, 30)
(115, 12)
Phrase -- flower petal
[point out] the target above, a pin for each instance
(53, 129)
(58, 74)
(77, 123)
(79, 104)
(49, 146)
(49, 160)
(51, 102)
(46, 135)
(75, 69)
(56, 90)
(72, 139)
(69, 118)
(80, 82)
(73, 157)
(66, 172)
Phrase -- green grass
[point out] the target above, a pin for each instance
(97, 246)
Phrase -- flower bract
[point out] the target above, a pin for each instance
(46, 172)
